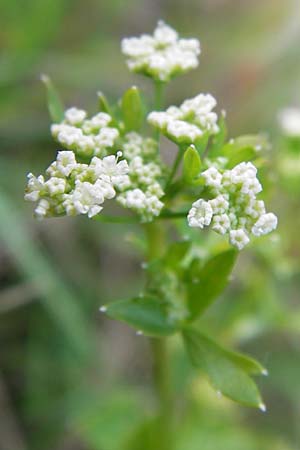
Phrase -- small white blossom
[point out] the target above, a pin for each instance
(183, 132)
(65, 162)
(153, 205)
(212, 177)
(163, 55)
(255, 208)
(42, 209)
(34, 187)
(75, 116)
(159, 119)
(55, 185)
(200, 214)
(87, 198)
(289, 120)
(265, 224)
(135, 199)
(219, 204)
(238, 238)
(221, 223)
(96, 122)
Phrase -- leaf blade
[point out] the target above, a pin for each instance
(132, 109)
(146, 314)
(191, 163)
(227, 378)
(211, 281)
(55, 105)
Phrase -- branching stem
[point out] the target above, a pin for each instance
(161, 380)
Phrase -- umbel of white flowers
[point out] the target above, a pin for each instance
(187, 123)
(163, 55)
(72, 188)
(86, 137)
(234, 208)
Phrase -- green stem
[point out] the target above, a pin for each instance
(161, 380)
(158, 101)
(175, 167)
(158, 95)
(165, 215)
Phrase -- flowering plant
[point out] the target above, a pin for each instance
(114, 154)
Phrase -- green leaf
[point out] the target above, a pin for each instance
(103, 103)
(191, 163)
(244, 148)
(210, 281)
(55, 105)
(146, 314)
(132, 109)
(176, 253)
(246, 363)
(202, 142)
(225, 375)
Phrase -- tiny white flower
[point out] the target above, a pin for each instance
(183, 131)
(153, 205)
(55, 185)
(219, 204)
(135, 199)
(200, 214)
(75, 116)
(87, 198)
(212, 177)
(159, 119)
(42, 209)
(221, 223)
(34, 187)
(65, 162)
(265, 224)
(238, 238)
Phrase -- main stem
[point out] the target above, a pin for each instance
(156, 245)
(158, 101)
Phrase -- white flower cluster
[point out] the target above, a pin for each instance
(234, 210)
(86, 137)
(144, 192)
(136, 145)
(73, 188)
(289, 120)
(163, 55)
(187, 123)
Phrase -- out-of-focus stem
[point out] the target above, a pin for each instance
(175, 167)
(158, 101)
(161, 379)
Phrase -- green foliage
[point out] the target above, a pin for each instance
(224, 370)
(209, 281)
(146, 314)
(191, 164)
(132, 109)
(55, 105)
(103, 103)
(244, 148)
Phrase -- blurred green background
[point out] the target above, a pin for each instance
(70, 379)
